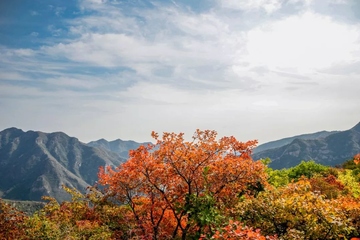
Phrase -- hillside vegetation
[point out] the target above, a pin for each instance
(200, 189)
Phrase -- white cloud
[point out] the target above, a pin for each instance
(268, 6)
(305, 2)
(183, 43)
(12, 76)
(55, 31)
(34, 13)
(224, 68)
(34, 34)
(305, 42)
(70, 82)
(266, 103)
(20, 52)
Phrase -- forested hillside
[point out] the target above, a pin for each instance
(203, 189)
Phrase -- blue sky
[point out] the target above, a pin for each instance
(255, 69)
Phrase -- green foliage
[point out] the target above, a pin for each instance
(203, 213)
(355, 169)
(307, 169)
(350, 164)
(278, 178)
(266, 161)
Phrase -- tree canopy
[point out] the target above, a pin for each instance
(178, 188)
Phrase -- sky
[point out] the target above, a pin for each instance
(253, 69)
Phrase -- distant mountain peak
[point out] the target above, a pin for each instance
(121, 147)
(13, 129)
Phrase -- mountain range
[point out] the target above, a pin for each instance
(327, 148)
(285, 141)
(117, 146)
(35, 164)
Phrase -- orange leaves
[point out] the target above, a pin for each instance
(174, 171)
(86, 225)
(235, 231)
(357, 158)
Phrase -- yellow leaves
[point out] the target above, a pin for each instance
(347, 179)
(296, 211)
(84, 217)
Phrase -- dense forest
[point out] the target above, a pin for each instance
(206, 188)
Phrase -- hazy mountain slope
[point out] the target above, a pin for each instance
(28, 207)
(331, 150)
(33, 164)
(118, 146)
(285, 141)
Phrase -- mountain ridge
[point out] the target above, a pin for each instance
(34, 163)
(332, 150)
(121, 147)
(283, 141)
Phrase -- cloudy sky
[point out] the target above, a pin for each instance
(255, 69)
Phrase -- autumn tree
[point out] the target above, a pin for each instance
(296, 211)
(180, 189)
(329, 187)
(84, 217)
(11, 222)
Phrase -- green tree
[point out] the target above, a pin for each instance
(307, 169)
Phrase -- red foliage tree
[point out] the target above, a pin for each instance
(173, 187)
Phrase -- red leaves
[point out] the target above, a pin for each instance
(234, 230)
(167, 173)
(11, 222)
